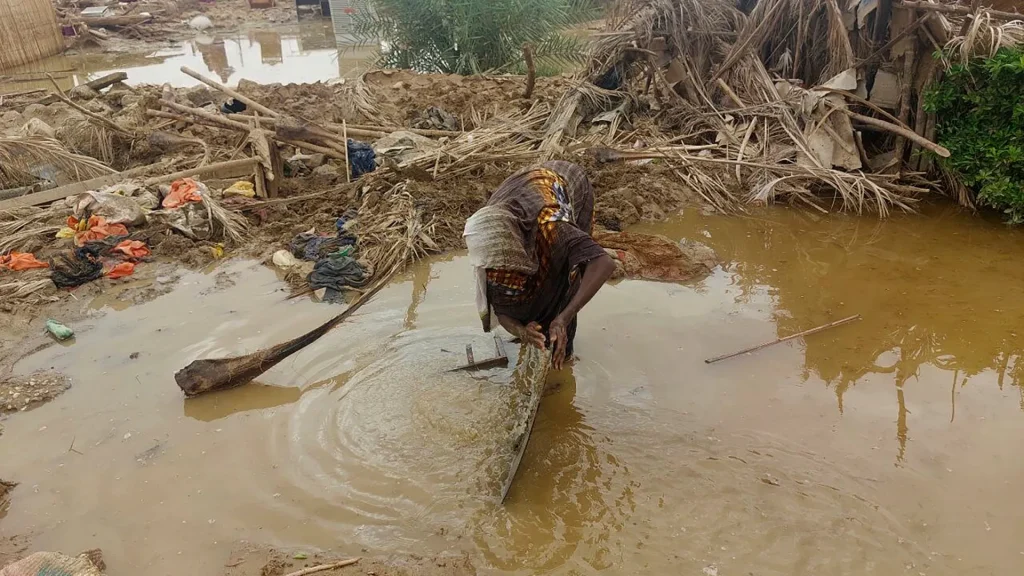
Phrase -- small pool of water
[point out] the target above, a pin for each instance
(299, 53)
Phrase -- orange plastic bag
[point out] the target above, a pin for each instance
(132, 249)
(121, 270)
(96, 228)
(182, 192)
(18, 261)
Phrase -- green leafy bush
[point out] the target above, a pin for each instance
(474, 36)
(979, 111)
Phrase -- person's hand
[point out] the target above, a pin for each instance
(559, 340)
(532, 335)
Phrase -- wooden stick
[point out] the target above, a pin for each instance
(531, 70)
(329, 152)
(199, 113)
(729, 92)
(958, 10)
(96, 117)
(348, 167)
(362, 132)
(787, 338)
(322, 567)
(895, 129)
(884, 50)
(231, 166)
(233, 93)
(113, 21)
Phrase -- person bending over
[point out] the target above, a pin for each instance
(534, 260)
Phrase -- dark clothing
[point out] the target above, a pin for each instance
(554, 204)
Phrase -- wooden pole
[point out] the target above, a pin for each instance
(199, 113)
(531, 70)
(348, 166)
(233, 93)
(895, 129)
(322, 567)
(233, 167)
(787, 338)
(959, 10)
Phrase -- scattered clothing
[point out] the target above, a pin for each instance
(338, 272)
(361, 158)
(18, 261)
(59, 331)
(132, 249)
(312, 247)
(95, 228)
(75, 267)
(183, 192)
(121, 270)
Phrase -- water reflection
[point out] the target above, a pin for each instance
(940, 291)
(569, 497)
(302, 53)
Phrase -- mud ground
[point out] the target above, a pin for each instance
(252, 560)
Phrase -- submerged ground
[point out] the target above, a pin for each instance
(888, 446)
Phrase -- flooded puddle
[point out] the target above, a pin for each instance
(888, 446)
(307, 52)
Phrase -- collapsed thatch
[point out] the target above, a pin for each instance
(21, 157)
(773, 99)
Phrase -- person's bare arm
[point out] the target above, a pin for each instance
(529, 333)
(595, 274)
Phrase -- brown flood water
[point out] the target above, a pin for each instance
(889, 446)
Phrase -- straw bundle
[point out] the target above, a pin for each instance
(29, 31)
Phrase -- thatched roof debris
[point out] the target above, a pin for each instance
(814, 101)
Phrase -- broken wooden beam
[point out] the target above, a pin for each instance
(115, 21)
(500, 359)
(107, 81)
(957, 10)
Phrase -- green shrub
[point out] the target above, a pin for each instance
(474, 36)
(979, 111)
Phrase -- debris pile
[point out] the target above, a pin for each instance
(814, 102)
(682, 103)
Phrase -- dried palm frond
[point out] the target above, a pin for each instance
(391, 231)
(232, 224)
(984, 37)
(21, 238)
(11, 290)
(21, 157)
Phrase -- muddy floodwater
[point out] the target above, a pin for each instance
(887, 446)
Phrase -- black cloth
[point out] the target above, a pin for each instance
(76, 267)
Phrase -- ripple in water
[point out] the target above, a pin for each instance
(399, 447)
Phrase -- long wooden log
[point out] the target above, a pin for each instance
(787, 338)
(958, 10)
(202, 376)
(72, 189)
(108, 80)
(230, 92)
(227, 169)
(200, 113)
(895, 129)
(115, 21)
